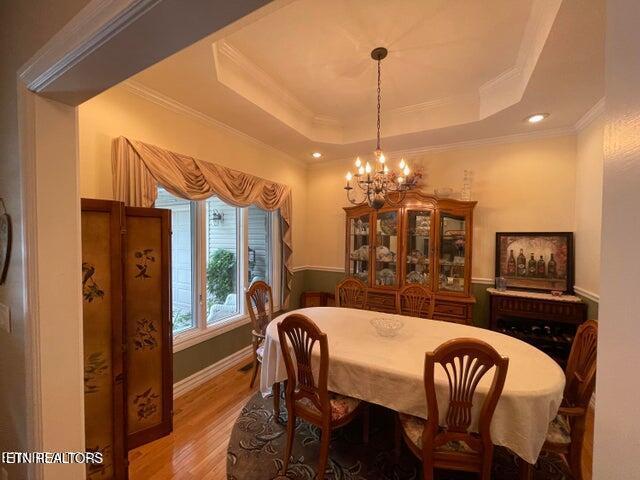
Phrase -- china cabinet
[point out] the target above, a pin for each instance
(424, 240)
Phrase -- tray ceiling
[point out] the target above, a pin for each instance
(301, 78)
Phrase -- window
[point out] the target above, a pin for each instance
(222, 282)
(217, 251)
(182, 292)
(259, 244)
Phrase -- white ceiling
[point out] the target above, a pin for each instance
(301, 78)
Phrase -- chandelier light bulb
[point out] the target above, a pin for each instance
(367, 168)
(382, 158)
(400, 179)
(406, 171)
(385, 169)
(402, 164)
(349, 176)
(358, 162)
(361, 170)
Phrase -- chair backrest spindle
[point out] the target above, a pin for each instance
(465, 362)
(416, 301)
(299, 335)
(351, 293)
(259, 299)
(581, 366)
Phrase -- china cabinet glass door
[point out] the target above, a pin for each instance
(418, 248)
(386, 253)
(359, 235)
(453, 238)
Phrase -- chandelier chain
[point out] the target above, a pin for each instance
(379, 96)
(378, 184)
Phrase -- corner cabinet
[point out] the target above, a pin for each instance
(424, 240)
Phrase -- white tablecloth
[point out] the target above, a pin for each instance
(389, 371)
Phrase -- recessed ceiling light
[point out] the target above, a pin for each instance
(316, 155)
(537, 117)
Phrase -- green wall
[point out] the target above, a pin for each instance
(190, 360)
(592, 307)
(193, 359)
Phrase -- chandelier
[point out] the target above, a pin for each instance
(378, 184)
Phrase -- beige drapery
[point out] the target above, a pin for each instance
(138, 169)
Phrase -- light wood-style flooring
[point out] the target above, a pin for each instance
(203, 419)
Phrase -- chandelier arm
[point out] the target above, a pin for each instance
(352, 200)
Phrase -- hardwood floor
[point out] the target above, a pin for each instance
(203, 419)
(202, 423)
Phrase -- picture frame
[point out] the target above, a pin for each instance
(548, 261)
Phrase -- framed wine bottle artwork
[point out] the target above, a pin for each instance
(542, 261)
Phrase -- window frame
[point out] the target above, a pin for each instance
(202, 331)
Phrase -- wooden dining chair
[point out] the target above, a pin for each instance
(416, 301)
(307, 396)
(351, 293)
(259, 300)
(454, 446)
(566, 432)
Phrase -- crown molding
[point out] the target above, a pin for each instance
(175, 106)
(222, 48)
(96, 24)
(592, 114)
(508, 88)
(245, 77)
(505, 139)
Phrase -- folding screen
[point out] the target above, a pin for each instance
(126, 265)
(103, 337)
(148, 328)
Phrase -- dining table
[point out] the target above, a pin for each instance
(389, 371)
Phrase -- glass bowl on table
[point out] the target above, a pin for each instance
(387, 326)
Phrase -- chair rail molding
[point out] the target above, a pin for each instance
(94, 26)
(587, 293)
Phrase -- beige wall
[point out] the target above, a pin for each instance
(26, 26)
(617, 423)
(525, 186)
(589, 167)
(118, 111)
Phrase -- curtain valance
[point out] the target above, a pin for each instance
(138, 169)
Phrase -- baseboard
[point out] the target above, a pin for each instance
(192, 381)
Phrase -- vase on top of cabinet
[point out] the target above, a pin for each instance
(423, 240)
